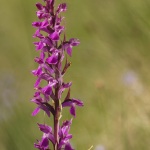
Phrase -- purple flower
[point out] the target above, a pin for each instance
(49, 85)
(39, 6)
(63, 87)
(64, 134)
(37, 72)
(41, 25)
(41, 104)
(72, 103)
(54, 36)
(47, 130)
(39, 45)
(43, 144)
(43, 107)
(38, 34)
(53, 59)
(62, 7)
(68, 147)
(69, 45)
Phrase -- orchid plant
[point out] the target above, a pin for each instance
(52, 65)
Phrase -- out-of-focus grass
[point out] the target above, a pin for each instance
(110, 72)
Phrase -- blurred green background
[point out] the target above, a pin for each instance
(110, 73)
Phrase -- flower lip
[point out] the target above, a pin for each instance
(53, 59)
(72, 104)
(54, 36)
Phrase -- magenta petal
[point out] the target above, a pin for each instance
(51, 137)
(54, 36)
(42, 55)
(38, 45)
(38, 60)
(44, 24)
(36, 94)
(45, 143)
(36, 111)
(37, 101)
(50, 70)
(47, 90)
(39, 6)
(62, 7)
(38, 34)
(72, 110)
(36, 24)
(77, 102)
(40, 14)
(45, 109)
(47, 41)
(67, 85)
(45, 128)
(61, 143)
(67, 103)
(68, 147)
(34, 72)
(37, 72)
(36, 145)
(53, 59)
(69, 50)
(74, 42)
(59, 29)
(69, 136)
(37, 82)
(67, 123)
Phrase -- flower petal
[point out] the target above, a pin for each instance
(44, 24)
(53, 59)
(51, 138)
(69, 50)
(62, 7)
(36, 24)
(54, 36)
(45, 109)
(45, 143)
(39, 6)
(74, 42)
(37, 72)
(36, 111)
(68, 147)
(47, 90)
(45, 128)
(73, 110)
(37, 82)
(38, 45)
(77, 102)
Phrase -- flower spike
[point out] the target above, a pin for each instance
(52, 66)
